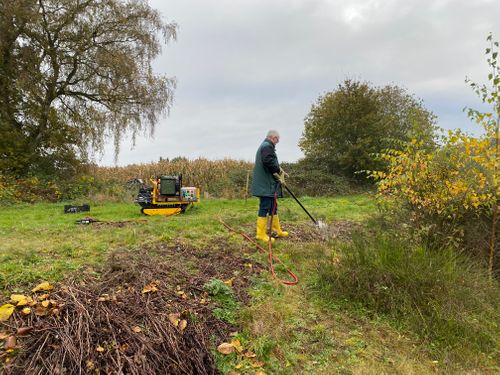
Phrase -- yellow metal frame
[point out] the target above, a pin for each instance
(155, 193)
(162, 211)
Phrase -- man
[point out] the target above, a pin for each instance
(267, 175)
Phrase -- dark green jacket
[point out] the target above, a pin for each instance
(266, 163)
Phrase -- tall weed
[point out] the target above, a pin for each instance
(441, 295)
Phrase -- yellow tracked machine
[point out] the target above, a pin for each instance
(166, 196)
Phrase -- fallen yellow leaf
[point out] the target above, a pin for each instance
(43, 286)
(26, 311)
(237, 345)
(43, 296)
(17, 297)
(336, 260)
(229, 282)
(45, 303)
(99, 349)
(257, 364)
(174, 318)
(150, 288)
(183, 324)
(24, 302)
(225, 348)
(20, 299)
(6, 311)
(260, 372)
(181, 294)
(104, 297)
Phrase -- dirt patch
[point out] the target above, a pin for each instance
(147, 313)
(308, 232)
(340, 229)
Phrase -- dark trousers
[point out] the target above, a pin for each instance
(266, 206)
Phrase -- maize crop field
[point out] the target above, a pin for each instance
(222, 178)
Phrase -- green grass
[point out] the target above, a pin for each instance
(39, 241)
(315, 327)
(309, 336)
(440, 295)
(439, 312)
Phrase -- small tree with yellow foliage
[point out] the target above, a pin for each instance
(450, 190)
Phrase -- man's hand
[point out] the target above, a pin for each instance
(280, 177)
(283, 173)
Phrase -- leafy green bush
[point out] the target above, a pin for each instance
(308, 181)
(346, 126)
(78, 187)
(27, 190)
(8, 191)
(440, 295)
(36, 189)
(445, 196)
(449, 191)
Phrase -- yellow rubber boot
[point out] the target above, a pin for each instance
(276, 228)
(262, 230)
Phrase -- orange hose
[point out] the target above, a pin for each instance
(271, 256)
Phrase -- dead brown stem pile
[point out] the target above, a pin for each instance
(146, 314)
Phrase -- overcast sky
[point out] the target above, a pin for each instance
(245, 66)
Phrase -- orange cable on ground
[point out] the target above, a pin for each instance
(271, 256)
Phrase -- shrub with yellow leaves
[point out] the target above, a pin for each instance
(452, 193)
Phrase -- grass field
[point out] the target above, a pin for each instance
(291, 329)
(41, 242)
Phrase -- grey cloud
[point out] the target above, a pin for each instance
(244, 66)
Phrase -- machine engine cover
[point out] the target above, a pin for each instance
(170, 186)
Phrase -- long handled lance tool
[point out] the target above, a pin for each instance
(300, 204)
(281, 179)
